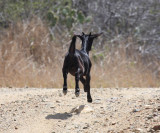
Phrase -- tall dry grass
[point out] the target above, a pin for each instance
(30, 57)
(118, 69)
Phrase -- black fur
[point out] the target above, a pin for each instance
(78, 64)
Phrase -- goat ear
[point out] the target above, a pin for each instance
(96, 35)
(90, 34)
(79, 36)
(82, 33)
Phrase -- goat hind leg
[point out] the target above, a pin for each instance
(89, 98)
(77, 77)
(84, 83)
(65, 82)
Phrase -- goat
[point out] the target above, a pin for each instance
(78, 64)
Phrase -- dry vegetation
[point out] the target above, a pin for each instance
(30, 57)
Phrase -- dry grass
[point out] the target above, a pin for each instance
(122, 67)
(30, 58)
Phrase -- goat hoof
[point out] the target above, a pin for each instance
(89, 100)
(77, 94)
(64, 92)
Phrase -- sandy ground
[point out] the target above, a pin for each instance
(35, 110)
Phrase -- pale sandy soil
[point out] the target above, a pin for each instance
(35, 110)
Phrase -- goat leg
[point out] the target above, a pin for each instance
(89, 98)
(77, 77)
(84, 83)
(65, 82)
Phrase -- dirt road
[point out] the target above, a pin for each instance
(34, 110)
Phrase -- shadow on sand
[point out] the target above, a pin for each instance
(62, 116)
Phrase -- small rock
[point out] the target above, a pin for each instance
(60, 95)
(150, 117)
(113, 123)
(16, 128)
(76, 126)
(106, 119)
(51, 105)
(156, 128)
(155, 114)
(148, 107)
(145, 126)
(104, 125)
(131, 127)
(96, 122)
(42, 100)
(86, 126)
(57, 101)
(138, 130)
(97, 101)
(136, 110)
(113, 99)
(154, 110)
(102, 112)
(151, 130)
(82, 109)
(155, 119)
(110, 131)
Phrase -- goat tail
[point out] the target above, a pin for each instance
(72, 45)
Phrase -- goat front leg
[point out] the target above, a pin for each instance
(77, 77)
(88, 78)
(65, 81)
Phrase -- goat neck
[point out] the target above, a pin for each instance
(84, 45)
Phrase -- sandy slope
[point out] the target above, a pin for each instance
(33, 110)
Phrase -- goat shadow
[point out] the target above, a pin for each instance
(64, 116)
(61, 116)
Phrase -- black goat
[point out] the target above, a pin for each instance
(78, 64)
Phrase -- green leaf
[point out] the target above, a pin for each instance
(81, 17)
(52, 18)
